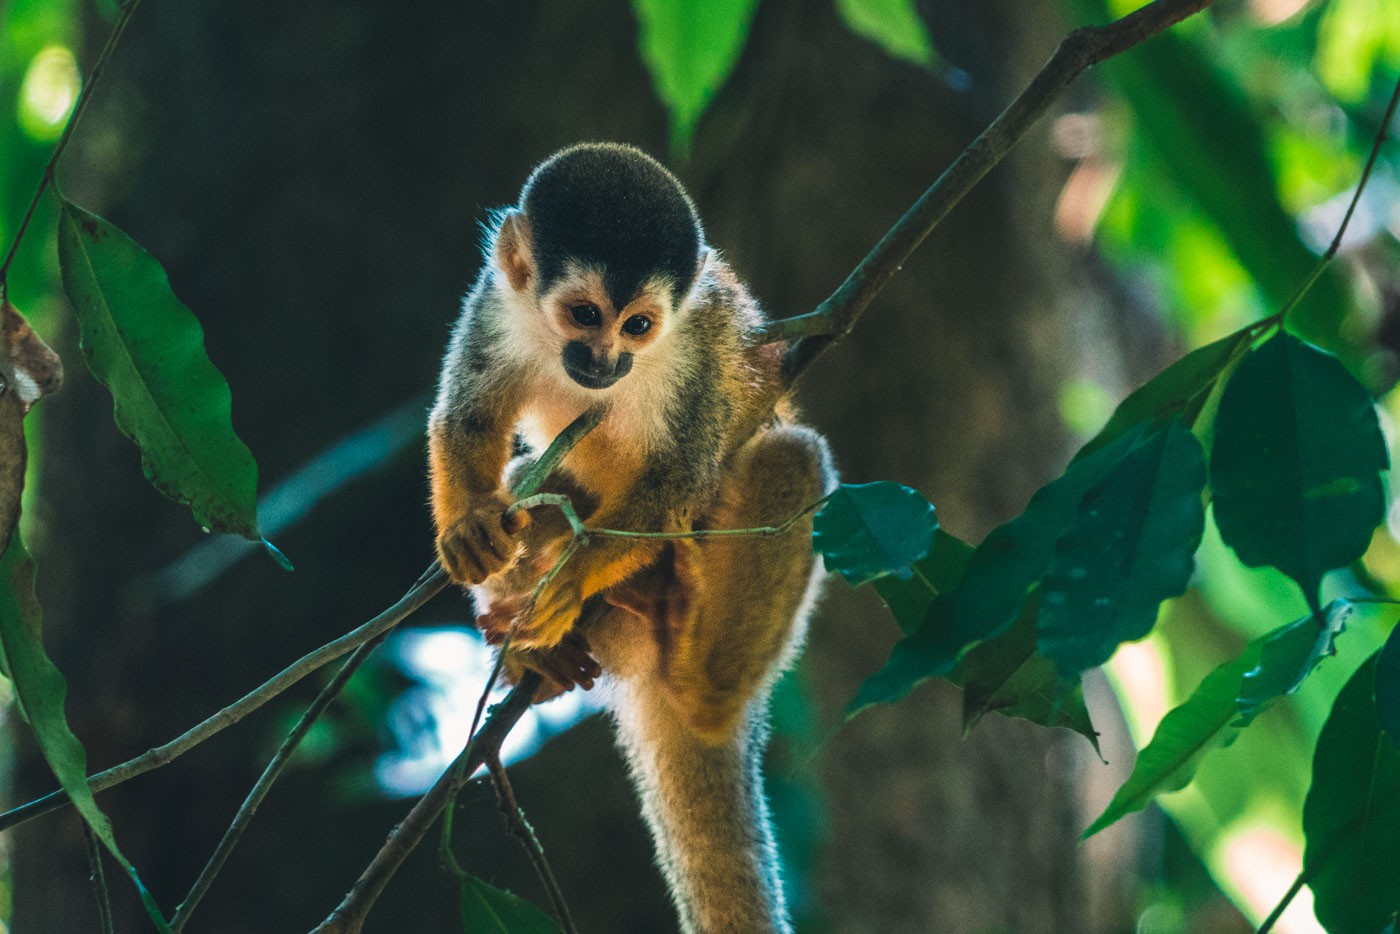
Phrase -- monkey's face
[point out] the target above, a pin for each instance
(601, 342)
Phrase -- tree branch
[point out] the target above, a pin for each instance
(811, 334)
(515, 820)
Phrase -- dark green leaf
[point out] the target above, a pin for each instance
(147, 348)
(489, 910)
(1388, 685)
(1204, 722)
(1351, 818)
(993, 589)
(1005, 675)
(1169, 392)
(909, 598)
(690, 50)
(870, 530)
(1289, 656)
(1129, 549)
(1297, 461)
(40, 691)
(893, 24)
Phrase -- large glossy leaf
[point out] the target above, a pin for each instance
(147, 348)
(871, 530)
(690, 50)
(1289, 655)
(1185, 735)
(994, 587)
(940, 571)
(1005, 675)
(1297, 461)
(40, 691)
(489, 910)
(1351, 818)
(1129, 548)
(893, 24)
(1388, 685)
(1171, 391)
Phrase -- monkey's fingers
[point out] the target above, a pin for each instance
(551, 616)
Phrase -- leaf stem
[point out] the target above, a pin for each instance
(47, 176)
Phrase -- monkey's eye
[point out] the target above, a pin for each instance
(587, 315)
(636, 325)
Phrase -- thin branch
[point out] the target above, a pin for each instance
(46, 178)
(429, 585)
(515, 820)
(1336, 244)
(270, 774)
(349, 916)
(834, 318)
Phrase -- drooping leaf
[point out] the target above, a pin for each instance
(870, 530)
(1296, 463)
(894, 25)
(489, 910)
(1170, 391)
(1388, 685)
(690, 50)
(1351, 818)
(1130, 548)
(1289, 656)
(1005, 675)
(1185, 735)
(40, 691)
(147, 348)
(909, 598)
(993, 589)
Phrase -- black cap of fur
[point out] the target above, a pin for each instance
(615, 208)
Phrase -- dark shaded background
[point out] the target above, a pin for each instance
(312, 175)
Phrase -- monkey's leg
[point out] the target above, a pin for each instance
(694, 661)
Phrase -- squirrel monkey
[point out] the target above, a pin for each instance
(599, 288)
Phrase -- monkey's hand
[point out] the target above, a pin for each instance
(553, 611)
(482, 542)
(562, 666)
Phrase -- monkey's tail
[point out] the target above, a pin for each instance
(708, 817)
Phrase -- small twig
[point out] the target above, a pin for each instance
(761, 531)
(1283, 904)
(46, 177)
(270, 774)
(349, 916)
(515, 820)
(1336, 244)
(834, 318)
(99, 881)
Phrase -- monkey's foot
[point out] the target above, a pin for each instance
(483, 542)
(551, 615)
(565, 665)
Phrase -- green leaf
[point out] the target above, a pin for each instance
(1005, 675)
(1001, 571)
(894, 25)
(1296, 463)
(40, 691)
(1388, 685)
(1351, 818)
(147, 348)
(870, 530)
(489, 910)
(690, 50)
(1129, 548)
(1169, 392)
(909, 598)
(1289, 656)
(1185, 735)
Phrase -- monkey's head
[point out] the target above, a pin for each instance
(604, 245)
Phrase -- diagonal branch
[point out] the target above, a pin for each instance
(811, 334)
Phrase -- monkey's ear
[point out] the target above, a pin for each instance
(513, 255)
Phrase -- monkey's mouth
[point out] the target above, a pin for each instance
(593, 380)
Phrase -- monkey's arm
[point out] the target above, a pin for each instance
(470, 433)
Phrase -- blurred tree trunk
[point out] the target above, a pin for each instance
(312, 175)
